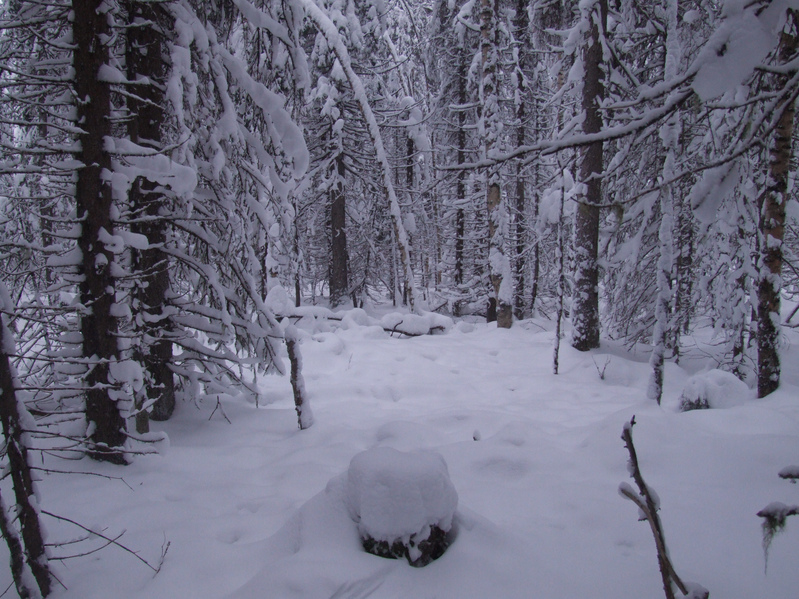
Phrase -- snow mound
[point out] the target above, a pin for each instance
(713, 389)
(278, 301)
(393, 494)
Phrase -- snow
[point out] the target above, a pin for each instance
(256, 508)
(716, 388)
(731, 54)
(393, 494)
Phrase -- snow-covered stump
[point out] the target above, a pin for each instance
(713, 389)
(304, 414)
(403, 503)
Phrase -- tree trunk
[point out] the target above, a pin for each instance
(148, 205)
(31, 534)
(521, 25)
(296, 263)
(91, 33)
(669, 134)
(301, 405)
(499, 268)
(683, 288)
(460, 186)
(585, 307)
(772, 230)
(339, 276)
(560, 289)
(16, 554)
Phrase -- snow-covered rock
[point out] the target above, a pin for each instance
(403, 503)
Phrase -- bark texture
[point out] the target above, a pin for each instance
(99, 327)
(492, 126)
(521, 25)
(149, 206)
(304, 414)
(772, 229)
(585, 303)
(339, 276)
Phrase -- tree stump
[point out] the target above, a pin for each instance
(403, 503)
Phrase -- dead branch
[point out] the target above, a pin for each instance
(115, 541)
(647, 503)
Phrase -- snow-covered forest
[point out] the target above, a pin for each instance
(244, 241)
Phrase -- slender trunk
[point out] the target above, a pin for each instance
(409, 182)
(521, 24)
(739, 331)
(339, 275)
(585, 307)
(670, 134)
(683, 288)
(534, 226)
(460, 186)
(772, 230)
(91, 33)
(145, 58)
(520, 264)
(296, 262)
(395, 275)
(560, 289)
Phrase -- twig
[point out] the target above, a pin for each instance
(792, 314)
(601, 371)
(52, 471)
(111, 541)
(63, 558)
(221, 411)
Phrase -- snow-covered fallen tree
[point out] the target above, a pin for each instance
(409, 325)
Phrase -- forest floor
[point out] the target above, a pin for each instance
(240, 494)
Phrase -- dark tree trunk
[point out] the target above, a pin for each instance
(460, 188)
(16, 554)
(339, 276)
(145, 58)
(585, 306)
(460, 220)
(520, 264)
(560, 289)
(772, 230)
(536, 274)
(683, 287)
(91, 33)
(19, 468)
(297, 276)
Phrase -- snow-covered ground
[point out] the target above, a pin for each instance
(536, 460)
